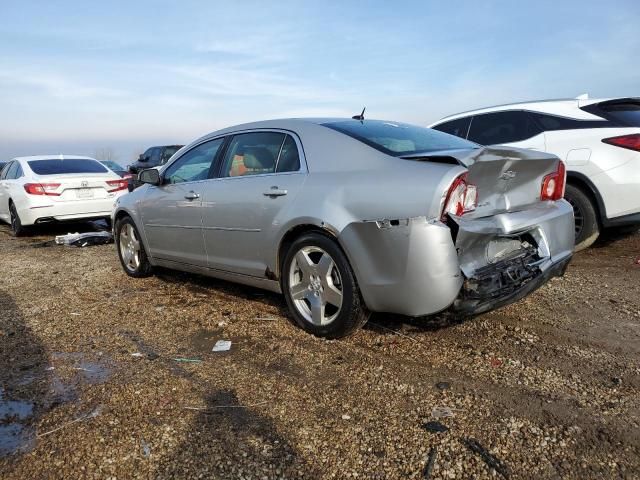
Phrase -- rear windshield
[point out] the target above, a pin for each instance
(112, 165)
(399, 139)
(623, 113)
(59, 167)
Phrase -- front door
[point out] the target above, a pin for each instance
(172, 212)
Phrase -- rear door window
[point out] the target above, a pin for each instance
(66, 166)
(458, 127)
(502, 127)
(252, 153)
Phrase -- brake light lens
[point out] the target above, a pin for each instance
(42, 189)
(461, 198)
(553, 184)
(632, 142)
(117, 185)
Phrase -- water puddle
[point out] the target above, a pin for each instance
(15, 435)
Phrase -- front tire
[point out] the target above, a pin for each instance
(17, 229)
(320, 288)
(131, 252)
(587, 228)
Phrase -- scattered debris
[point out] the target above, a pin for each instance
(266, 318)
(442, 385)
(222, 346)
(137, 354)
(93, 414)
(431, 461)
(442, 412)
(495, 362)
(435, 427)
(188, 360)
(616, 380)
(146, 450)
(491, 460)
(637, 262)
(75, 314)
(85, 239)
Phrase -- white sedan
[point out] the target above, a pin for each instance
(56, 188)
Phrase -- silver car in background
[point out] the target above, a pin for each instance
(351, 216)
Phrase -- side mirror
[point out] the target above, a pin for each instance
(150, 176)
(142, 158)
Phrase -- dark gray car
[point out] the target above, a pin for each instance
(154, 157)
(345, 217)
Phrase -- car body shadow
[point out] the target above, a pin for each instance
(231, 440)
(24, 383)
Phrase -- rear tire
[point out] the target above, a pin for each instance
(131, 252)
(17, 229)
(585, 215)
(320, 288)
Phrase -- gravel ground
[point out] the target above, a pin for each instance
(90, 386)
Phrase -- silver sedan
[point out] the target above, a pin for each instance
(351, 216)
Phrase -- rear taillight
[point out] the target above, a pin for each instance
(632, 142)
(461, 198)
(42, 189)
(117, 185)
(553, 184)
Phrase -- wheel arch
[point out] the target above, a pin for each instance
(295, 232)
(581, 181)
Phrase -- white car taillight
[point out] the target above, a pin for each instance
(553, 184)
(42, 189)
(461, 198)
(117, 185)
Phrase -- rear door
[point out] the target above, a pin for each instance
(514, 128)
(260, 175)
(172, 212)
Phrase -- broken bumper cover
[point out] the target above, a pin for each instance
(502, 284)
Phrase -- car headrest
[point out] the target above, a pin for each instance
(258, 158)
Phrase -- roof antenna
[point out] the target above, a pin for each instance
(361, 116)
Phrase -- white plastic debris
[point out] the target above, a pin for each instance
(346, 417)
(137, 354)
(442, 412)
(222, 346)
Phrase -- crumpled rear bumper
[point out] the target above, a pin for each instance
(510, 289)
(419, 267)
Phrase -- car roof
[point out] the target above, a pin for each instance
(567, 107)
(56, 156)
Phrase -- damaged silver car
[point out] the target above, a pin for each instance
(351, 216)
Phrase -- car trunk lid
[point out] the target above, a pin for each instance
(506, 178)
(78, 187)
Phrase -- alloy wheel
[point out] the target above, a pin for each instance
(129, 247)
(315, 286)
(578, 217)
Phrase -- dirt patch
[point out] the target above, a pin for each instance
(545, 388)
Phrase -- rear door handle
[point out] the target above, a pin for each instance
(192, 195)
(275, 192)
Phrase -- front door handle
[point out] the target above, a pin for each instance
(275, 192)
(192, 195)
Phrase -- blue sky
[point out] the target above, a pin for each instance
(79, 76)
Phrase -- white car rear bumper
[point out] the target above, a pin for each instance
(48, 211)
